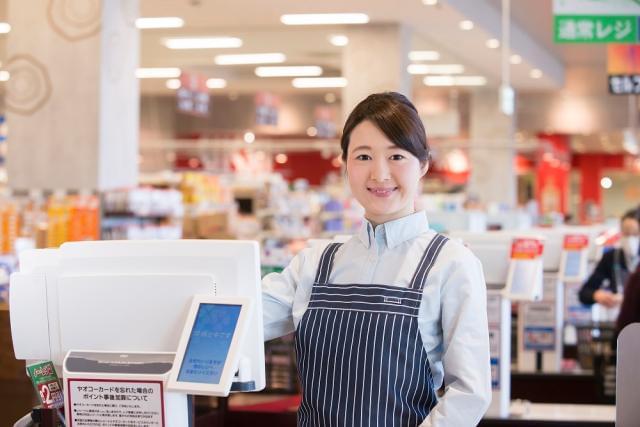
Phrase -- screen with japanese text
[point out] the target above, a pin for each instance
(209, 343)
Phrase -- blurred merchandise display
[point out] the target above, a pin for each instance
(45, 223)
(143, 213)
(71, 218)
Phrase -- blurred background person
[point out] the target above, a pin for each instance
(605, 285)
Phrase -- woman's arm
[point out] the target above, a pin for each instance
(602, 272)
(278, 293)
(465, 335)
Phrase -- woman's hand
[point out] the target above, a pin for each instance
(607, 298)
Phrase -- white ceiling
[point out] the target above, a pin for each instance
(257, 23)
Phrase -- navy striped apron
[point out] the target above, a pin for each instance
(360, 356)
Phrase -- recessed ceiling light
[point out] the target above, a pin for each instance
(466, 25)
(159, 22)
(493, 43)
(454, 81)
(249, 137)
(216, 83)
(535, 73)
(339, 40)
(4, 76)
(250, 58)
(281, 158)
(424, 55)
(4, 28)
(158, 73)
(430, 2)
(435, 69)
(289, 71)
(202, 42)
(317, 82)
(516, 59)
(606, 182)
(173, 84)
(324, 18)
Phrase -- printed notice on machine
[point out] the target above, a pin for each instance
(95, 403)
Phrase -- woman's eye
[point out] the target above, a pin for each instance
(397, 157)
(363, 157)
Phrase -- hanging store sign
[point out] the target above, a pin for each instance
(267, 108)
(193, 94)
(623, 69)
(595, 29)
(596, 21)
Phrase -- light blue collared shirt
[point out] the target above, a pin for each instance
(452, 318)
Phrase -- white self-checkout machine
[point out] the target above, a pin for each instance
(543, 326)
(512, 267)
(139, 325)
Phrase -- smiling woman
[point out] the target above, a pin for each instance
(384, 319)
(385, 149)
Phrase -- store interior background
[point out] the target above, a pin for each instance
(569, 98)
(568, 132)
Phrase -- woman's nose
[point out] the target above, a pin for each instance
(379, 171)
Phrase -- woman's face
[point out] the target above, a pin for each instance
(383, 177)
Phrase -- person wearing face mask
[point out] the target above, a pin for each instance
(605, 285)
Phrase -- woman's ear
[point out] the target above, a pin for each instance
(424, 168)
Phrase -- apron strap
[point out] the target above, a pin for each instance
(426, 262)
(326, 263)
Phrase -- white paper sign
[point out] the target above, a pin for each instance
(524, 278)
(105, 403)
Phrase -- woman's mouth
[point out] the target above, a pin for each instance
(381, 191)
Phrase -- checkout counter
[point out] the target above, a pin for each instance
(135, 327)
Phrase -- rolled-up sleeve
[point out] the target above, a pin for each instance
(278, 294)
(465, 346)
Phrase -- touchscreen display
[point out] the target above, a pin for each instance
(209, 343)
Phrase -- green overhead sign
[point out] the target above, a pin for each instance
(596, 21)
(595, 29)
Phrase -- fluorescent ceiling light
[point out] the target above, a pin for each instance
(535, 73)
(324, 18)
(339, 40)
(173, 84)
(424, 55)
(455, 81)
(313, 82)
(493, 43)
(250, 58)
(4, 76)
(202, 42)
(216, 83)
(299, 71)
(4, 28)
(435, 69)
(466, 25)
(159, 22)
(158, 73)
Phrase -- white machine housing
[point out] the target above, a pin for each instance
(128, 296)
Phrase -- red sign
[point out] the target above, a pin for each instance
(526, 248)
(575, 242)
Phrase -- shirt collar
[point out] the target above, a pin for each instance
(396, 231)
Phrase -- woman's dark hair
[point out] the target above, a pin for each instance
(396, 117)
(630, 309)
(631, 214)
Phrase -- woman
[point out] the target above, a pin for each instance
(384, 319)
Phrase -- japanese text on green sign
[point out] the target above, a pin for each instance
(595, 29)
